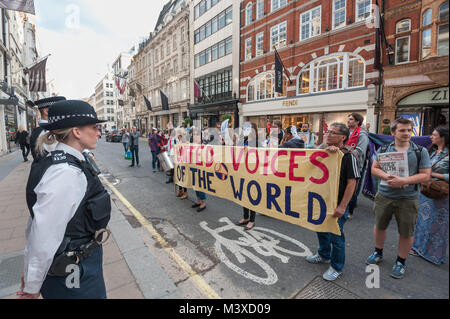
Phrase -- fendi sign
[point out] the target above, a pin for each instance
(290, 103)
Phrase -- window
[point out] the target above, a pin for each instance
(228, 15)
(228, 45)
(182, 34)
(259, 43)
(174, 39)
(443, 12)
(402, 50)
(262, 87)
(259, 9)
(334, 72)
(339, 13)
(248, 49)
(222, 20)
(442, 41)
(248, 13)
(403, 26)
(276, 4)
(426, 33)
(310, 23)
(278, 36)
(363, 8)
(212, 26)
(212, 53)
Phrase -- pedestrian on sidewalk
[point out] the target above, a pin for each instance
(134, 146)
(332, 247)
(23, 139)
(69, 210)
(398, 195)
(154, 144)
(43, 106)
(126, 139)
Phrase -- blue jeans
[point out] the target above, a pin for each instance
(125, 146)
(135, 152)
(155, 159)
(332, 246)
(200, 195)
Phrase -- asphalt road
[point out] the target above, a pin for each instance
(271, 266)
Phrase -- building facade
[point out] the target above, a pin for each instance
(120, 73)
(104, 102)
(416, 64)
(327, 48)
(214, 41)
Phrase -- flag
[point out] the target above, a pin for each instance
(197, 92)
(164, 101)
(37, 77)
(147, 102)
(121, 83)
(18, 5)
(278, 74)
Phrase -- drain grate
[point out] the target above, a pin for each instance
(319, 288)
(11, 266)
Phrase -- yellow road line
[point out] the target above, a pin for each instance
(196, 278)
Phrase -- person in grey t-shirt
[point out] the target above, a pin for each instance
(399, 197)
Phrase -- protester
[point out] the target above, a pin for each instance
(125, 139)
(69, 209)
(398, 195)
(306, 128)
(332, 247)
(23, 139)
(291, 139)
(134, 146)
(278, 126)
(250, 140)
(182, 191)
(169, 147)
(154, 143)
(200, 204)
(359, 141)
(431, 231)
(215, 135)
(368, 127)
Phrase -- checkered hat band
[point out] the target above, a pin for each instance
(53, 119)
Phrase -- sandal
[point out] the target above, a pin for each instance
(247, 228)
(242, 223)
(185, 195)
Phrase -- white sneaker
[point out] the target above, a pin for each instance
(317, 259)
(331, 274)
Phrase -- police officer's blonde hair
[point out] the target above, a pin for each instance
(51, 137)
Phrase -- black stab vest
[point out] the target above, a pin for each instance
(94, 211)
(33, 140)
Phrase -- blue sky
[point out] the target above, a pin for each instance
(84, 36)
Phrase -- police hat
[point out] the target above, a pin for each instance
(70, 113)
(44, 103)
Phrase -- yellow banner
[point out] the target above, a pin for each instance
(299, 186)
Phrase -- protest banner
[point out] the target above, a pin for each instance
(299, 186)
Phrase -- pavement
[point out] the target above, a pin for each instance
(130, 270)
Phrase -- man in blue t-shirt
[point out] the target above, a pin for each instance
(399, 196)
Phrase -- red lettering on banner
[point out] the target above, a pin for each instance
(209, 161)
(253, 150)
(181, 154)
(191, 148)
(198, 155)
(272, 164)
(238, 163)
(320, 165)
(293, 166)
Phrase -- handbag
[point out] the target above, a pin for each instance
(128, 155)
(435, 189)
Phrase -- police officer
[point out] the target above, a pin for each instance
(43, 106)
(69, 210)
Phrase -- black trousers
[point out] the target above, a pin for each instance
(135, 151)
(24, 147)
(248, 212)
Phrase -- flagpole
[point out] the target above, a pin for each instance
(282, 64)
(202, 91)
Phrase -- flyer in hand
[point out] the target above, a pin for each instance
(394, 163)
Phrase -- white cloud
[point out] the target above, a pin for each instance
(79, 57)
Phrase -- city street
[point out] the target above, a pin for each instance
(267, 262)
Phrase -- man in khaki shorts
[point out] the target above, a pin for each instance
(399, 196)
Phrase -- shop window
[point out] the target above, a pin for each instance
(403, 26)
(310, 23)
(334, 72)
(262, 87)
(248, 13)
(402, 50)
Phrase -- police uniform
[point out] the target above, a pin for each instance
(39, 131)
(69, 207)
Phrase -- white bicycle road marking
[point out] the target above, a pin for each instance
(257, 239)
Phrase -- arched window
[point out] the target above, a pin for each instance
(332, 72)
(262, 87)
(248, 13)
(403, 26)
(427, 19)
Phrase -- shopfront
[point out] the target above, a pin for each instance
(319, 110)
(427, 109)
(209, 114)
